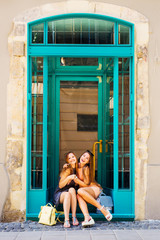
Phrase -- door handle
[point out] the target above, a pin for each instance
(94, 153)
(108, 142)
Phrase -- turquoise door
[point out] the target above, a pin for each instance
(80, 113)
(80, 110)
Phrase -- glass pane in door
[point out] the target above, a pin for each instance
(108, 101)
(37, 123)
(78, 117)
(124, 124)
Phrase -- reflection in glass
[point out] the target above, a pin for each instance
(51, 118)
(66, 61)
(77, 98)
(37, 122)
(124, 124)
(123, 34)
(109, 122)
(81, 31)
(36, 177)
(38, 33)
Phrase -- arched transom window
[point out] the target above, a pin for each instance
(80, 30)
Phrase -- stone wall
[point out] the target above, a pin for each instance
(17, 95)
(15, 205)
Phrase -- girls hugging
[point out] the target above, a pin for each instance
(77, 182)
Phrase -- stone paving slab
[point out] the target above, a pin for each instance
(103, 235)
(101, 232)
(127, 234)
(82, 235)
(29, 235)
(53, 235)
(149, 234)
(8, 235)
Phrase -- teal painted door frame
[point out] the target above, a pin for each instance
(37, 197)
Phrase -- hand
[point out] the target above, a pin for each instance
(71, 177)
(76, 179)
(65, 165)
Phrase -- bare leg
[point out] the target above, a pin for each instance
(72, 191)
(65, 198)
(83, 207)
(73, 201)
(88, 195)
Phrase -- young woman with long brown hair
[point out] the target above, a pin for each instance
(66, 190)
(89, 189)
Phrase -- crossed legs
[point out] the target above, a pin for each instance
(83, 207)
(89, 194)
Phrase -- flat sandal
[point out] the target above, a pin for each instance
(75, 221)
(66, 222)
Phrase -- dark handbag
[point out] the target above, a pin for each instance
(105, 201)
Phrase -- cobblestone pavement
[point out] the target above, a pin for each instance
(28, 226)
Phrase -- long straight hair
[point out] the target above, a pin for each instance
(90, 165)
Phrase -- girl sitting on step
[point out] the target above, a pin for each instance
(66, 190)
(89, 189)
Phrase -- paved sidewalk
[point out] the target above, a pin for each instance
(83, 235)
(122, 230)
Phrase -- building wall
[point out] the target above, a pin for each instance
(147, 160)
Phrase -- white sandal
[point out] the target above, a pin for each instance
(108, 216)
(90, 222)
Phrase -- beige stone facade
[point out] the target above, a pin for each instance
(13, 201)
